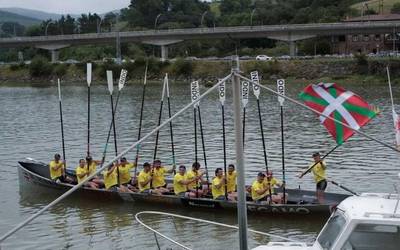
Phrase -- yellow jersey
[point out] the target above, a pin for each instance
(110, 179)
(80, 170)
(216, 192)
(256, 187)
(231, 182)
(190, 176)
(158, 177)
(92, 167)
(144, 177)
(272, 183)
(124, 173)
(319, 171)
(55, 173)
(178, 187)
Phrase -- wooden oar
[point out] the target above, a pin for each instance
(204, 147)
(245, 100)
(221, 94)
(89, 81)
(141, 119)
(343, 187)
(170, 126)
(195, 94)
(110, 82)
(62, 126)
(256, 91)
(281, 90)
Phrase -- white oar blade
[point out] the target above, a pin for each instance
(280, 86)
(145, 73)
(89, 74)
(163, 89)
(166, 84)
(59, 89)
(221, 93)
(245, 93)
(122, 79)
(195, 92)
(110, 81)
(255, 78)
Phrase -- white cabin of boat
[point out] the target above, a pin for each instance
(365, 222)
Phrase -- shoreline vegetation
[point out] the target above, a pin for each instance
(360, 70)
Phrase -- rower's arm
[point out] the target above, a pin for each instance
(81, 175)
(222, 182)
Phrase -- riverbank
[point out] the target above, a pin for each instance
(356, 70)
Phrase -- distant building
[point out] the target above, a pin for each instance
(368, 43)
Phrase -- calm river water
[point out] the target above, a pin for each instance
(29, 122)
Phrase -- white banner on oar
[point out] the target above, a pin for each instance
(221, 93)
(195, 92)
(110, 81)
(280, 86)
(245, 93)
(89, 74)
(254, 77)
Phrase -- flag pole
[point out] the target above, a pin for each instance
(322, 158)
(396, 120)
(390, 88)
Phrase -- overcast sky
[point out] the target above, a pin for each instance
(67, 6)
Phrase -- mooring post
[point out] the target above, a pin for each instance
(241, 205)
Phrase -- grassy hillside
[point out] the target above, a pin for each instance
(374, 5)
(11, 17)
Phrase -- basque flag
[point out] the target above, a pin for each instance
(335, 102)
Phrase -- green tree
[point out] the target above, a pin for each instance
(12, 29)
(395, 8)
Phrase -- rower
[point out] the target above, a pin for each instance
(272, 182)
(158, 176)
(145, 178)
(57, 169)
(319, 176)
(196, 176)
(111, 177)
(91, 166)
(259, 189)
(231, 179)
(124, 168)
(217, 186)
(81, 174)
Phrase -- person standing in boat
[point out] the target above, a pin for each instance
(57, 169)
(82, 173)
(272, 182)
(319, 176)
(145, 178)
(259, 189)
(158, 173)
(196, 176)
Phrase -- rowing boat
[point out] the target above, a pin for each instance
(299, 202)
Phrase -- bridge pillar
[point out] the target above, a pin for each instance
(164, 53)
(54, 50)
(292, 48)
(54, 55)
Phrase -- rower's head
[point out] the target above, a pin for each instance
(231, 168)
(316, 156)
(182, 169)
(219, 172)
(89, 159)
(57, 157)
(269, 174)
(123, 161)
(146, 167)
(260, 177)
(82, 163)
(196, 166)
(157, 163)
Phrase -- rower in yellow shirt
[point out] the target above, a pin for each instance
(259, 190)
(231, 179)
(82, 173)
(158, 173)
(181, 182)
(124, 168)
(144, 180)
(57, 169)
(111, 177)
(91, 166)
(272, 182)
(196, 176)
(217, 186)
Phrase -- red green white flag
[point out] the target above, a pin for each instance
(335, 102)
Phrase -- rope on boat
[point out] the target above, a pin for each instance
(74, 188)
(197, 220)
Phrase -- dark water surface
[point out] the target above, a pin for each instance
(29, 127)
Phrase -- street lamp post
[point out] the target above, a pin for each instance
(155, 22)
(251, 17)
(202, 18)
(99, 24)
(47, 26)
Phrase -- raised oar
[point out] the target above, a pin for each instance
(170, 125)
(221, 93)
(204, 147)
(280, 84)
(195, 94)
(62, 126)
(110, 82)
(245, 100)
(256, 91)
(322, 158)
(343, 187)
(89, 81)
(140, 120)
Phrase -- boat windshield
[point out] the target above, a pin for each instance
(374, 236)
(331, 230)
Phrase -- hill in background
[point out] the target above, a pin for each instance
(6, 16)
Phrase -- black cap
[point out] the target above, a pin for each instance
(315, 154)
(261, 174)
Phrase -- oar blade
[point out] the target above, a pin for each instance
(195, 93)
(59, 89)
(280, 86)
(221, 93)
(89, 73)
(256, 79)
(122, 79)
(110, 81)
(245, 93)
(166, 84)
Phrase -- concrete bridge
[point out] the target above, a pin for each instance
(289, 33)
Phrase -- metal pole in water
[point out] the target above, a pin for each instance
(241, 205)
